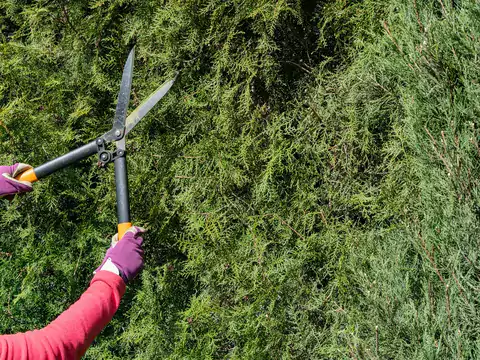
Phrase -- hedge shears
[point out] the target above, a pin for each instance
(122, 125)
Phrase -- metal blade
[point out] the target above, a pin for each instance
(124, 97)
(147, 105)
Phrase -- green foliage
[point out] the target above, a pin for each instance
(310, 183)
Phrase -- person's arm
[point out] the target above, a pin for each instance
(70, 335)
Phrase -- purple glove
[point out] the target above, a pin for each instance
(8, 185)
(126, 255)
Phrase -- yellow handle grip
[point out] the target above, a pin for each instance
(122, 228)
(27, 175)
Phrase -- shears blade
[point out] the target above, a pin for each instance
(124, 98)
(142, 109)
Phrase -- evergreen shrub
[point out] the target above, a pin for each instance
(310, 183)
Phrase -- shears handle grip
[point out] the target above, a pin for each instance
(27, 175)
(122, 229)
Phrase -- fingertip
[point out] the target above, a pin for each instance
(114, 240)
(138, 240)
(140, 229)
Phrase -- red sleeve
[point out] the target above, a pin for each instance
(69, 335)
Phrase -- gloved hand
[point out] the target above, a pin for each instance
(8, 185)
(125, 255)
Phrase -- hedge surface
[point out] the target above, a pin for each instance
(310, 183)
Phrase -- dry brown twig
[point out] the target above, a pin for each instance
(387, 29)
(435, 147)
(431, 258)
(422, 28)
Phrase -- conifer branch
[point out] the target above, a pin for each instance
(431, 259)
(435, 148)
(444, 11)
(304, 67)
(419, 21)
(385, 26)
(460, 288)
(66, 19)
(447, 296)
(2, 124)
(283, 222)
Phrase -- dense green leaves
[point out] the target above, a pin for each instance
(309, 183)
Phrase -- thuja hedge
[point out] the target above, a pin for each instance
(310, 184)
